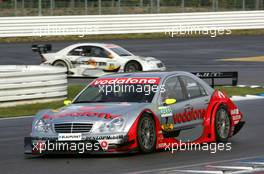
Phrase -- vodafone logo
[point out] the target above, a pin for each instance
(104, 145)
(120, 81)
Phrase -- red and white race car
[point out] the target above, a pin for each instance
(138, 112)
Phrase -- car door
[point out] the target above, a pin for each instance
(77, 52)
(197, 95)
(173, 89)
(102, 60)
(195, 108)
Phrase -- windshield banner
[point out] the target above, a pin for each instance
(121, 81)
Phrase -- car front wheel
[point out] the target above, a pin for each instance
(133, 66)
(146, 132)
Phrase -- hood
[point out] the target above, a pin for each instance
(141, 58)
(93, 112)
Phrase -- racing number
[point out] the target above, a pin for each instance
(173, 90)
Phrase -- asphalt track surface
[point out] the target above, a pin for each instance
(247, 145)
(188, 54)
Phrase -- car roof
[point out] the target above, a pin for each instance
(93, 44)
(162, 75)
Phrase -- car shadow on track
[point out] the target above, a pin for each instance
(80, 156)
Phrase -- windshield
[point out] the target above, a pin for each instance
(121, 51)
(102, 91)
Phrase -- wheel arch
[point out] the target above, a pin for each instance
(68, 63)
(213, 117)
(132, 133)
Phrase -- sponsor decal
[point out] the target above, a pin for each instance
(236, 121)
(161, 145)
(209, 74)
(165, 111)
(82, 114)
(167, 127)
(107, 137)
(190, 115)
(86, 108)
(235, 115)
(179, 118)
(111, 46)
(111, 67)
(121, 81)
(91, 62)
(104, 145)
(234, 112)
(69, 137)
(221, 95)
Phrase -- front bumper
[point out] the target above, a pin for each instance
(42, 146)
(153, 66)
(154, 69)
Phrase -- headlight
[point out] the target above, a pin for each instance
(42, 126)
(115, 125)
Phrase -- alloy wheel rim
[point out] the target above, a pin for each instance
(223, 124)
(147, 133)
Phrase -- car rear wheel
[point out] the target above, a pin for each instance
(146, 132)
(222, 125)
(133, 66)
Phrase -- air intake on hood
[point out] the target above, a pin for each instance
(73, 127)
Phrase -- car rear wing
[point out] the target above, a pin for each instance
(41, 48)
(218, 75)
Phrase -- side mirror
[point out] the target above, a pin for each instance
(170, 101)
(67, 102)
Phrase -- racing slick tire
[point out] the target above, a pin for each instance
(222, 125)
(132, 66)
(146, 132)
(61, 63)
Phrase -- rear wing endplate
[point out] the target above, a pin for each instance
(41, 48)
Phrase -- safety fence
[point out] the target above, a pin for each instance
(30, 84)
(123, 24)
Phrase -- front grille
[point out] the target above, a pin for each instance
(159, 65)
(73, 127)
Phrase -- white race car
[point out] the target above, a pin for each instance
(96, 59)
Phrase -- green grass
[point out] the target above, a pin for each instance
(120, 36)
(73, 90)
(31, 109)
(230, 91)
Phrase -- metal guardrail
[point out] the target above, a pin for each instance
(102, 7)
(31, 84)
(124, 24)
